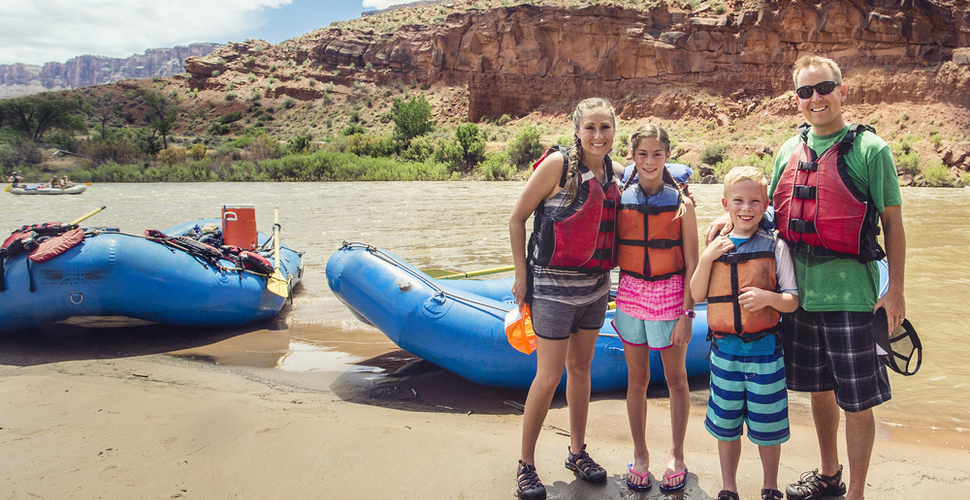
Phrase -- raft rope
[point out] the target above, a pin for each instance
(439, 292)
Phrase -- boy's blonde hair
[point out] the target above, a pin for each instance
(806, 62)
(745, 173)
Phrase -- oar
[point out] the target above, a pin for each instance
(7, 188)
(277, 282)
(87, 215)
(482, 272)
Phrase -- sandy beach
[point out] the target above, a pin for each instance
(128, 420)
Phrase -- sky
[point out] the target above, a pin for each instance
(39, 31)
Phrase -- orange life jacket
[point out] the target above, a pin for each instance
(751, 264)
(649, 242)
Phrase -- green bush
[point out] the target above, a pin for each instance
(420, 150)
(524, 147)
(472, 142)
(496, 167)
(714, 154)
(450, 153)
(352, 129)
(936, 174)
(908, 162)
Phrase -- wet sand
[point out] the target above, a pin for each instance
(110, 414)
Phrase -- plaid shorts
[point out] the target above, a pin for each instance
(826, 351)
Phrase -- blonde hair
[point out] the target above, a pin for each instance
(654, 131)
(745, 173)
(572, 170)
(806, 62)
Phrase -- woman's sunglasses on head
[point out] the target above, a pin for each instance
(823, 88)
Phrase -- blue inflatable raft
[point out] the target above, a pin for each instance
(115, 274)
(459, 324)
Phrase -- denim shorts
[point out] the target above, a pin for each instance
(556, 321)
(635, 331)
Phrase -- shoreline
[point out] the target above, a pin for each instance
(160, 426)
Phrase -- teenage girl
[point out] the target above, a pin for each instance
(564, 275)
(657, 249)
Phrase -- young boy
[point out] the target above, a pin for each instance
(747, 367)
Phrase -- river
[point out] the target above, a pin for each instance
(463, 226)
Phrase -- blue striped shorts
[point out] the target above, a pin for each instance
(748, 389)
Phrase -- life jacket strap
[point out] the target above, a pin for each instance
(804, 192)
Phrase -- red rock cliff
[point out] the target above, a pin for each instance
(516, 59)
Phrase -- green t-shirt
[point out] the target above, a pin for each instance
(832, 283)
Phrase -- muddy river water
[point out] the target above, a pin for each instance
(463, 226)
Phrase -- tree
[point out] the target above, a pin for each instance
(411, 119)
(37, 114)
(160, 116)
(104, 107)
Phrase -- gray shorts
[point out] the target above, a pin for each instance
(556, 321)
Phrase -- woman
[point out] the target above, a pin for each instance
(565, 279)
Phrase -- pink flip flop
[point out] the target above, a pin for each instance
(638, 487)
(679, 487)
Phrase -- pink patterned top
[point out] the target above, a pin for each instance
(651, 300)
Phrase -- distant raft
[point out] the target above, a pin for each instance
(163, 276)
(46, 189)
(459, 325)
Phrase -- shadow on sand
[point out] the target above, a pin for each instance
(92, 338)
(414, 384)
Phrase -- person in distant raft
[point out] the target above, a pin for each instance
(832, 185)
(565, 277)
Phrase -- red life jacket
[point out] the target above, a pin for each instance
(752, 263)
(818, 208)
(650, 245)
(581, 236)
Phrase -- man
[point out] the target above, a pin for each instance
(829, 348)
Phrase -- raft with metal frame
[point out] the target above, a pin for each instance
(111, 273)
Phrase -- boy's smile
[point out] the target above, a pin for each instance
(746, 202)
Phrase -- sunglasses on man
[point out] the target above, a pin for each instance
(823, 88)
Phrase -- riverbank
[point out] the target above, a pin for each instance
(155, 426)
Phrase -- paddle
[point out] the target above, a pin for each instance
(277, 283)
(482, 272)
(7, 188)
(87, 215)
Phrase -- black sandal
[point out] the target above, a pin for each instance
(584, 466)
(727, 495)
(812, 486)
(769, 494)
(527, 484)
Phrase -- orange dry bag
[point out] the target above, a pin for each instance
(518, 327)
